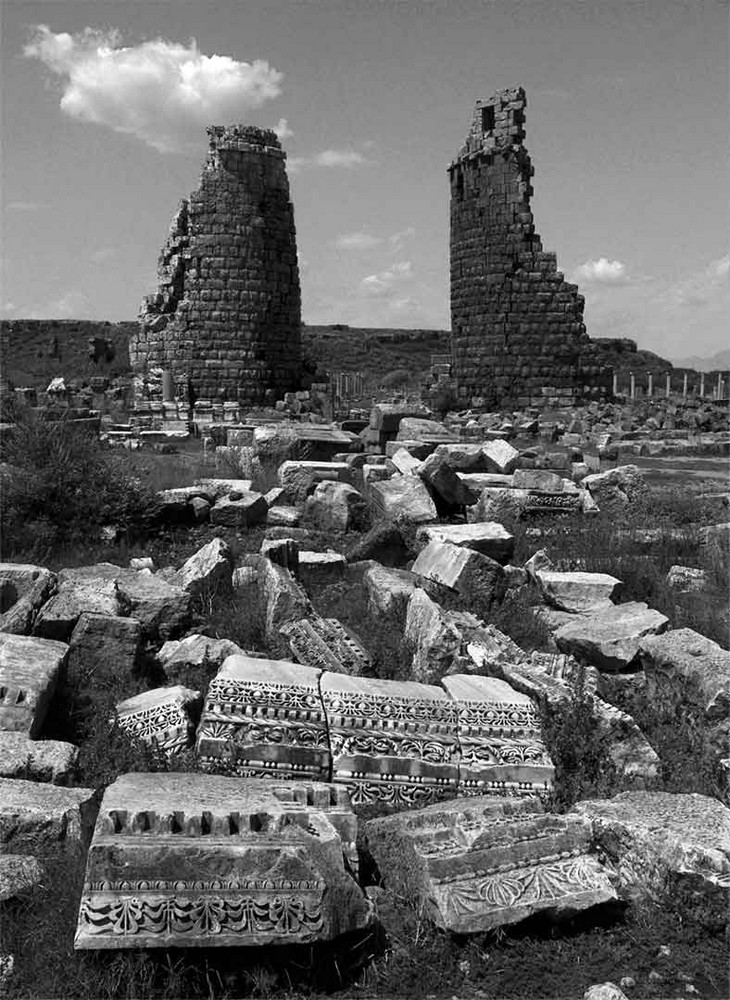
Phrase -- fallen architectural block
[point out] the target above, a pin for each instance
(37, 760)
(404, 462)
(327, 644)
(445, 485)
(434, 637)
(162, 608)
(392, 742)
(664, 845)
(474, 864)
(38, 818)
(214, 489)
(18, 872)
(239, 510)
(617, 488)
(189, 860)
(500, 456)
(87, 588)
(266, 718)
(402, 498)
(297, 477)
(463, 457)
(283, 597)
(419, 429)
(611, 637)
(163, 718)
(687, 579)
(335, 506)
(283, 517)
(577, 592)
(497, 503)
(537, 479)
(193, 652)
(464, 570)
(209, 569)
(502, 751)
(488, 537)
(388, 589)
(23, 590)
(671, 659)
(29, 670)
(105, 645)
(321, 567)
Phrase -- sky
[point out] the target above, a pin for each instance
(105, 103)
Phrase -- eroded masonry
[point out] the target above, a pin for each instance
(518, 337)
(225, 321)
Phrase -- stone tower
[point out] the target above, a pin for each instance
(226, 318)
(518, 337)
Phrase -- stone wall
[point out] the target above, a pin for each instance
(518, 336)
(226, 318)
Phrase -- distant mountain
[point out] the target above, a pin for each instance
(718, 362)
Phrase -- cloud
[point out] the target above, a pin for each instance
(347, 158)
(359, 240)
(282, 129)
(705, 287)
(23, 206)
(386, 282)
(602, 272)
(398, 239)
(72, 304)
(159, 91)
(102, 254)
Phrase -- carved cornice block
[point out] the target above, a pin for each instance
(191, 860)
(29, 670)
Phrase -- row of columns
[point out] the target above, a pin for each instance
(718, 390)
(348, 384)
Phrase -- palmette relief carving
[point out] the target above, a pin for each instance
(436, 716)
(226, 695)
(378, 745)
(405, 794)
(492, 716)
(494, 751)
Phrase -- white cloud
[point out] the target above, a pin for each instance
(72, 304)
(359, 240)
(161, 92)
(385, 283)
(102, 254)
(23, 206)
(282, 129)
(398, 239)
(602, 272)
(347, 158)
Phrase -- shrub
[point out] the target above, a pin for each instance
(64, 487)
(398, 377)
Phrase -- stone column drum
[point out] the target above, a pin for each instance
(226, 318)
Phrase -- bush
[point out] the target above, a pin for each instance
(398, 377)
(64, 486)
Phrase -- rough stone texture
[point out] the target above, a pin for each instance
(327, 644)
(226, 318)
(265, 717)
(37, 760)
(162, 608)
(210, 568)
(463, 457)
(391, 742)
(163, 717)
(402, 498)
(488, 537)
(464, 570)
(283, 517)
(611, 638)
(388, 590)
(660, 843)
(37, 818)
(195, 652)
(321, 567)
(446, 487)
(419, 429)
(683, 654)
(188, 860)
(29, 670)
(717, 538)
(577, 592)
(500, 457)
(434, 637)
(283, 598)
(537, 479)
(242, 512)
(282, 551)
(299, 478)
(383, 543)
(335, 507)
(404, 463)
(498, 504)
(518, 336)
(88, 588)
(474, 864)
(687, 579)
(502, 751)
(18, 872)
(604, 991)
(617, 488)
(23, 589)
(104, 644)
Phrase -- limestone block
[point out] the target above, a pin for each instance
(405, 464)
(611, 637)
(190, 860)
(29, 671)
(298, 477)
(388, 590)
(464, 570)
(265, 717)
(283, 517)
(335, 507)
(282, 551)
(387, 417)
(37, 760)
(247, 509)
(104, 644)
(195, 652)
(384, 543)
(38, 818)
(479, 481)
(717, 538)
(209, 569)
(283, 598)
(392, 742)
(487, 537)
(18, 872)
(23, 590)
(537, 479)
(434, 637)
(175, 506)
(88, 588)
(274, 496)
(419, 429)
(577, 592)
(318, 568)
(687, 579)
(500, 457)
(683, 654)
(445, 485)
(604, 991)
(162, 608)
(215, 489)
(402, 498)
(463, 457)
(497, 504)
(617, 488)
(327, 644)
(502, 751)
(660, 843)
(474, 864)
(163, 717)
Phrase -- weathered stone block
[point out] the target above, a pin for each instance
(611, 638)
(577, 592)
(402, 498)
(88, 588)
(682, 655)
(162, 608)
(163, 717)
(487, 537)
(335, 507)
(500, 457)
(195, 652)
(246, 510)
(188, 860)
(29, 671)
(104, 644)
(327, 644)
(37, 818)
(388, 590)
(208, 569)
(433, 636)
(37, 760)
(464, 570)
(18, 872)
(23, 590)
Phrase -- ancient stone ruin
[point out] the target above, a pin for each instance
(518, 337)
(225, 322)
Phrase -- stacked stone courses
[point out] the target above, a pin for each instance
(226, 319)
(518, 337)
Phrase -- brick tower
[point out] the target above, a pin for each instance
(226, 319)
(517, 331)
